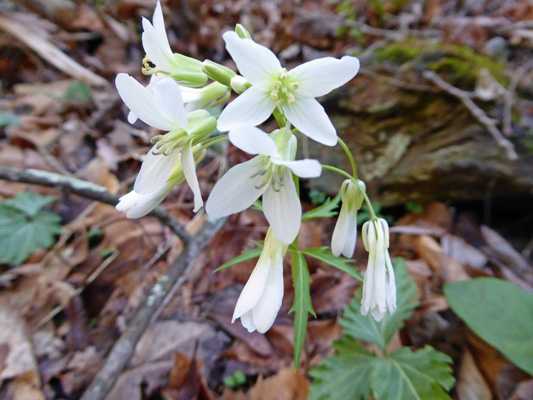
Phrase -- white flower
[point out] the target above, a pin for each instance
(379, 287)
(161, 106)
(268, 174)
(260, 300)
(294, 91)
(345, 232)
(151, 186)
(155, 42)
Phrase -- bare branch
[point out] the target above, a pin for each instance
(88, 190)
(477, 112)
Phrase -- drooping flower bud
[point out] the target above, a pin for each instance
(345, 232)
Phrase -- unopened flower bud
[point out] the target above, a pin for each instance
(242, 32)
(218, 72)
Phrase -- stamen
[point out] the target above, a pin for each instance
(274, 95)
(260, 172)
(294, 85)
(279, 103)
(290, 98)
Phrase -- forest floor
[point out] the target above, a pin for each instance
(62, 309)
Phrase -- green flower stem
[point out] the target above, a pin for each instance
(280, 117)
(356, 182)
(213, 141)
(350, 156)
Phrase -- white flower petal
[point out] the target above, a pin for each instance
(156, 46)
(247, 321)
(253, 141)
(255, 62)
(303, 168)
(137, 205)
(189, 171)
(282, 209)
(158, 23)
(132, 118)
(265, 311)
(142, 103)
(345, 233)
(168, 97)
(309, 117)
(237, 190)
(155, 171)
(253, 290)
(319, 77)
(251, 108)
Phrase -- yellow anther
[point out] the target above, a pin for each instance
(277, 84)
(273, 95)
(279, 103)
(294, 85)
(290, 98)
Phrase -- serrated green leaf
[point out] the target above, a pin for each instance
(366, 328)
(21, 235)
(326, 210)
(324, 254)
(28, 202)
(345, 375)
(499, 312)
(302, 302)
(408, 375)
(246, 255)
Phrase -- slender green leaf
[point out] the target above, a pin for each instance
(324, 254)
(408, 375)
(302, 302)
(366, 328)
(499, 312)
(345, 375)
(326, 210)
(246, 255)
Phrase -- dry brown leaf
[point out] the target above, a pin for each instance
(19, 365)
(164, 338)
(38, 41)
(445, 266)
(145, 379)
(461, 251)
(470, 382)
(285, 385)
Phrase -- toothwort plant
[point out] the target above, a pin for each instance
(179, 100)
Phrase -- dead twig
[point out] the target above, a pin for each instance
(476, 112)
(88, 190)
(509, 98)
(37, 42)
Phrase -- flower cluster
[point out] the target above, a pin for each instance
(179, 100)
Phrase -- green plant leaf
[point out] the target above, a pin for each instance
(366, 328)
(302, 303)
(499, 312)
(326, 210)
(29, 203)
(8, 119)
(21, 233)
(408, 375)
(324, 254)
(345, 375)
(246, 255)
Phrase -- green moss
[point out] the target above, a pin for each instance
(460, 61)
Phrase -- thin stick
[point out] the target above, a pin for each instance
(88, 190)
(477, 112)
